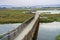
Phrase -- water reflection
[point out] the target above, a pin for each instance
(7, 27)
(48, 31)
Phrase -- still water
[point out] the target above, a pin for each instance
(8, 27)
(52, 11)
(48, 31)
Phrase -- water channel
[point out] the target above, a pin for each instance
(48, 31)
(8, 27)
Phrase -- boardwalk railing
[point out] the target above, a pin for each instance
(15, 32)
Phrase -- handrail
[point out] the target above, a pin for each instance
(15, 32)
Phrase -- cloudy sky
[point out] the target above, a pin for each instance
(28, 2)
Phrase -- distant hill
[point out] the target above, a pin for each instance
(5, 6)
(36, 6)
(41, 6)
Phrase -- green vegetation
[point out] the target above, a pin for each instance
(49, 17)
(47, 8)
(1, 36)
(58, 37)
(14, 16)
(15, 11)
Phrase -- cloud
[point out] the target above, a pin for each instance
(28, 2)
(46, 2)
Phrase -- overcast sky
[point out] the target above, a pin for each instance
(28, 2)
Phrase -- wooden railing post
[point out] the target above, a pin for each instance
(8, 36)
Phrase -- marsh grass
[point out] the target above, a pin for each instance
(50, 18)
(58, 37)
(13, 16)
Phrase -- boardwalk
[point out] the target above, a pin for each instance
(27, 29)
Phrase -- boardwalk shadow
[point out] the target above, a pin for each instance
(36, 33)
